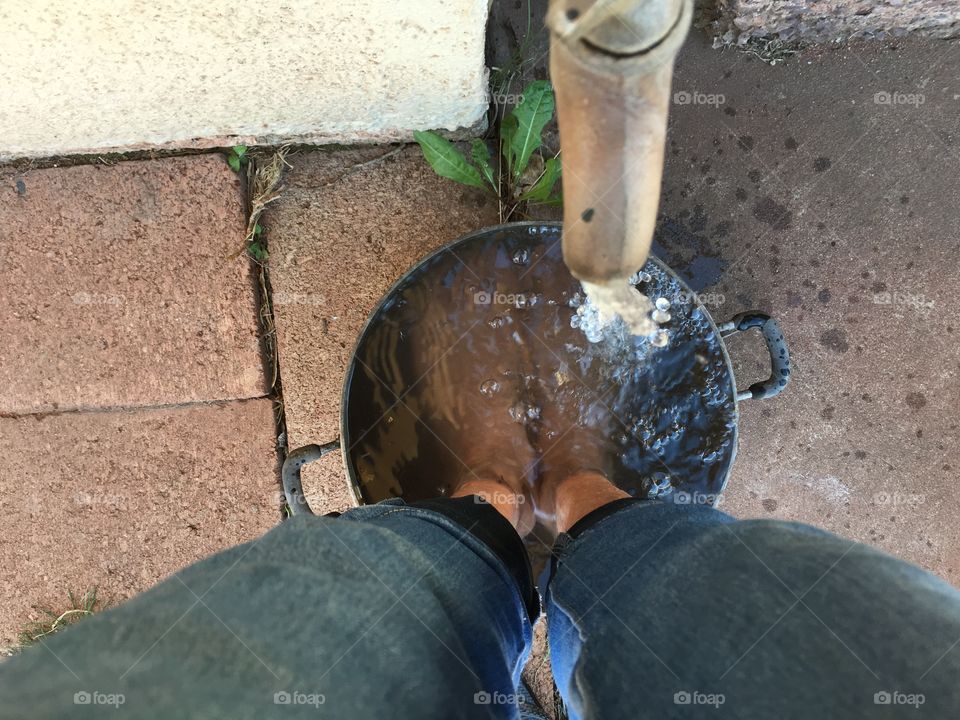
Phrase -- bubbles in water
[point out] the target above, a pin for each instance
(660, 485)
(588, 319)
(518, 412)
(521, 256)
(660, 339)
(489, 388)
(497, 321)
(663, 304)
(640, 277)
(533, 413)
(660, 316)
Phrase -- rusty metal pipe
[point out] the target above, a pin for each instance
(611, 64)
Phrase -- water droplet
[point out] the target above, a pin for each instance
(660, 316)
(660, 339)
(489, 388)
(663, 304)
(533, 413)
(517, 413)
(521, 256)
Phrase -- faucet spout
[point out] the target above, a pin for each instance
(611, 64)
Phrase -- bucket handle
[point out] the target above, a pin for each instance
(290, 474)
(776, 346)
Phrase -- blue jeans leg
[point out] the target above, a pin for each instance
(389, 611)
(666, 611)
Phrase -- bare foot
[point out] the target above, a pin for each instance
(580, 494)
(478, 414)
(574, 441)
(510, 501)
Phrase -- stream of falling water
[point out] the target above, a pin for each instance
(621, 302)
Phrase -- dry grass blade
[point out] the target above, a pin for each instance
(263, 182)
(56, 620)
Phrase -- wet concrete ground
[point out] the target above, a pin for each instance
(823, 192)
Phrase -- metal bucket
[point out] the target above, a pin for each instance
(662, 469)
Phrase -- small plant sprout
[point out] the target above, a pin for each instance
(257, 248)
(521, 175)
(237, 157)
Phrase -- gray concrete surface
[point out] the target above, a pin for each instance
(737, 21)
(824, 192)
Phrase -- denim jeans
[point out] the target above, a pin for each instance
(404, 611)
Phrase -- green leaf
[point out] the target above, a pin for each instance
(258, 251)
(234, 162)
(446, 160)
(532, 116)
(541, 189)
(240, 150)
(481, 158)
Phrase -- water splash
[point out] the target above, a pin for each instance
(489, 388)
(618, 300)
(521, 256)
